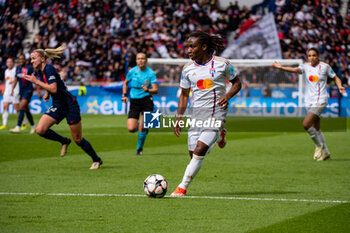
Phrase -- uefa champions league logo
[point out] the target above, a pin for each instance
(212, 71)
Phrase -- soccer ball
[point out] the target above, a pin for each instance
(155, 186)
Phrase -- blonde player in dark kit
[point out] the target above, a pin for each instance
(64, 104)
(206, 75)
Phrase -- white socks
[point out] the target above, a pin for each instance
(322, 140)
(314, 136)
(5, 116)
(191, 170)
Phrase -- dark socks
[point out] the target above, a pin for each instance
(86, 146)
(52, 135)
(30, 118)
(20, 118)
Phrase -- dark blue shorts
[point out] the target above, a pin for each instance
(70, 112)
(26, 95)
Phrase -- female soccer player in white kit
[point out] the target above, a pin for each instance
(206, 75)
(316, 97)
(8, 98)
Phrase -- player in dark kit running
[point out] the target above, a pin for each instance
(26, 91)
(64, 104)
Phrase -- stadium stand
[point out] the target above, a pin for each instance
(305, 24)
(13, 30)
(103, 36)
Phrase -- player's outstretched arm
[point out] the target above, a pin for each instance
(236, 87)
(277, 65)
(182, 105)
(339, 84)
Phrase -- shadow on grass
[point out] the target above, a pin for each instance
(332, 219)
(108, 167)
(171, 154)
(332, 159)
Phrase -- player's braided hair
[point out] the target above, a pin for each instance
(214, 43)
(51, 53)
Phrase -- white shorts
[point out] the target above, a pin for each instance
(207, 136)
(316, 108)
(11, 99)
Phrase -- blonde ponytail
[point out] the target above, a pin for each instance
(51, 53)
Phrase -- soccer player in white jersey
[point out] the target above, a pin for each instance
(8, 98)
(206, 75)
(316, 97)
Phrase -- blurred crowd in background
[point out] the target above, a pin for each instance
(103, 37)
(306, 24)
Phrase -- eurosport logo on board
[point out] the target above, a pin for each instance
(278, 107)
(112, 105)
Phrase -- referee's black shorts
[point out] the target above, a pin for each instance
(138, 106)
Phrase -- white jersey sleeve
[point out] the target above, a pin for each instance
(185, 81)
(330, 72)
(230, 71)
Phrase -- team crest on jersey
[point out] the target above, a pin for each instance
(51, 109)
(8, 78)
(212, 71)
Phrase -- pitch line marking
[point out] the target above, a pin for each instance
(185, 197)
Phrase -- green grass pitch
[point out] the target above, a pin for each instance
(260, 182)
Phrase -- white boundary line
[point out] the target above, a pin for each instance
(185, 197)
